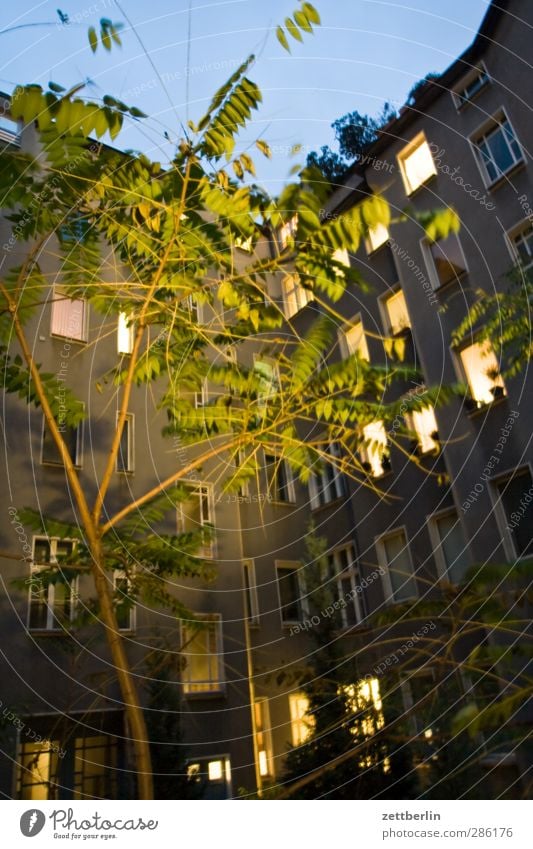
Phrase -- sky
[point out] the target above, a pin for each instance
(365, 52)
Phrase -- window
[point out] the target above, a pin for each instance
(449, 546)
(38, 770)
(497, 150)
(375, 454)
(345, 580)
(280, 483)
(203, 655)
(395, 558)
(263, 737)
(377, 237)
(396, 313)
(72, 437)
(419, 692)
(251, 603)
(9, 130)
(124, 602)
(201, 398)
(424, 424)
(365, 707)
(416, 164)
(68, 316)
(353, 340)
(213, 775)
(471, 87)
(196, 514)
(295, 296)
(95, 767)
(125, 455)
(515, 508)
(125, 333)
(267, 373)
(243, 244)
(328, 485)
(52, 600)
(290, 605)
(522, 244)
(302, 723)
(482, 372)
(287, 231)
(444, 260)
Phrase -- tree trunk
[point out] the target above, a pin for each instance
(128, 687)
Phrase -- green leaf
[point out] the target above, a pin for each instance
(311, 13)
(264, 147)
(93, 39)
(282, 38)
(303, 21)
(293, 29)
(56, 87)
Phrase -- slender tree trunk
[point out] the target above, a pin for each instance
(128, 687)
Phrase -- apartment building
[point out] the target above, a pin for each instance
(465, 143)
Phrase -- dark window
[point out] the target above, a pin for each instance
(71, 437)
(125, 450)
(516, 495)
(289, 593)
(279, 481)
(448, 260)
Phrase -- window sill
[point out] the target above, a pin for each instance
(51, 465)
(208, 694)
(484, 408)
(502, 179)
(334, 502)
(69, 339)
(411, 194)
(373, 251)
(443, 287)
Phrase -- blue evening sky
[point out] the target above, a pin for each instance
(366, 52)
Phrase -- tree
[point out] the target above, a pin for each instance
(172, 234)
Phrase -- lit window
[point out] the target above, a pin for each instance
(364, 700)
(498, 150)
(344, 580)
(72, 437)
(263, 737)
(468, 91)
(523, 246)
(280, 483)
(38, 770)
(341, 256)
(394, 556)
(288, 231)
(125, 455)
(203, 655)
(329, 484)
(516, 504)
(95, 767)
(213, 776)
(397, 315)
(482, 372)
(416, 164)
(295, 296)
(251, 603)
(353, 341)
(244, 244)
(445, 260)
(195, 514)
(451, 554)
(287, 575)
(377, 236)
(424, 424)
(302, 722)
(124, 603)
(68, 316)
(125, 334)
(375, 454)
(52, 595)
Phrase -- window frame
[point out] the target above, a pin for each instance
(317, 484)
(352, 573)
(6, 135)
(436, 541)
(410, 421)
(520, 228)
(56, 298)
(506, 535)
(272, 484)
(295, 298)
(372, 246)
(463, 375)
(125, 326)
(342, 332)
(78, 461)
(461, 103)
(379, 543)
(290, 226)
(297, 720)
(208, 550)
(215, 686)
(251, 598)
(383, 300)
(366, 454)
(429, 262)
(263, 735)
(485, 129)
(129, 428)
(35, 568)
(295, 567)
(119, 575)
(407, 151)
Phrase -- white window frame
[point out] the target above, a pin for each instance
(463, 374)
(129, 427)
(429, 261)
(379, 543)
(78, 461)
(319, 486)
(251, 599)
(499, 511)
(215, 686)
(296, 567)
(353, 575)
(272, 484)
(419, 140)
(276, 378)
(287, 231)
(10, 136)
(125, 334)
(480, 70)
(197, 488)
(512, 234)
(301, 727)
(436, 540)
(35, 569)
(485, 129)
(343, 333)
(377, 237)
(295, 296)
(201, 398)
(59, 297)
(120, 575)
(383, 301)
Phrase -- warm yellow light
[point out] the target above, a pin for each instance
(215, 770)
